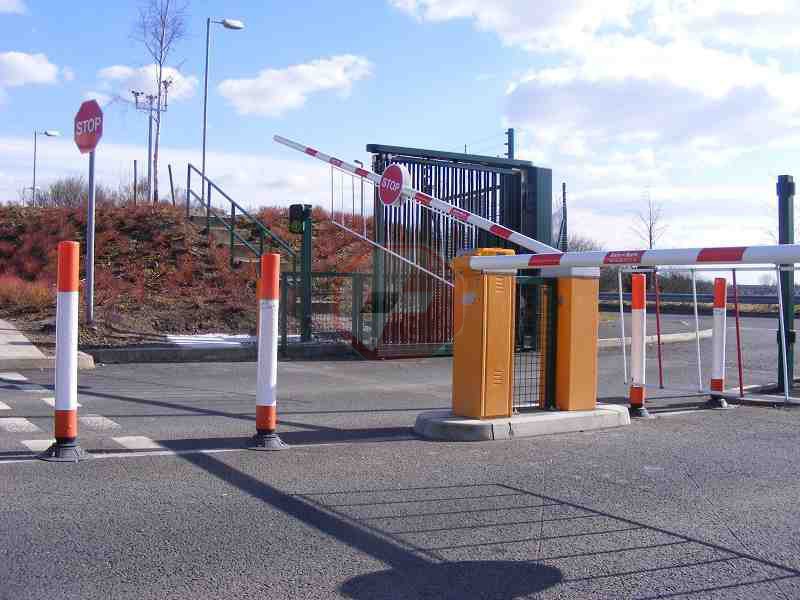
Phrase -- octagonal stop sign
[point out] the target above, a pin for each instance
(88, 126)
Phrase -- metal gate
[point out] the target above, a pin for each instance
(412, 311)
(534, 344)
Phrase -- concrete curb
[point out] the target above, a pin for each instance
(666, 338)
(244, 353)
(85, 362)
(442, 425)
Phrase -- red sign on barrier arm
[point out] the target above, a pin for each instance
(88, 126)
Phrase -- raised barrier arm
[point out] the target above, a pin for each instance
(398, 181)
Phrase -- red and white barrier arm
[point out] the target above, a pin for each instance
(718, 333)
(759, 255)
(402, 190)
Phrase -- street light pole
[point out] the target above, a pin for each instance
(227, 24)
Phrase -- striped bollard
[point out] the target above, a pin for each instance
(638, 332)
(266, 415)
(66, 447)
(718, 344)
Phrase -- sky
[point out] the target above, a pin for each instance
(695, 104)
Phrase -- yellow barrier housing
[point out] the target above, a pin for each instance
(483, 339)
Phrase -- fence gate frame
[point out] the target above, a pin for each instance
(514, 193)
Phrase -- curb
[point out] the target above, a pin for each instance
(666, 338)
(244, 353)
(443, 426)
(85, 362)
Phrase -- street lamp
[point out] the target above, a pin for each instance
(227, 24)
(48, 133)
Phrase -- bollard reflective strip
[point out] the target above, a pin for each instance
(718, 335)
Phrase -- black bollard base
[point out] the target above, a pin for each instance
(267, 441)
(718, 403)
(64, 452)
(639, 412)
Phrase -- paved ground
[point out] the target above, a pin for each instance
(697, 504)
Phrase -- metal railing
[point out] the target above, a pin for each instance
(229, 220)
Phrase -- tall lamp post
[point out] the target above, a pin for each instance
(227, 24)
(48, 133)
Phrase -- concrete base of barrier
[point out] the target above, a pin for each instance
(85, 361)
(442, 425)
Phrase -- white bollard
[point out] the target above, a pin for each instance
(66, 448)
(266, 399)
(638, 333)
(718, 342)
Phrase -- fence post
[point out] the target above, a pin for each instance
(266, 437)
(786, 236)
(357, 300)
(66, 447)
(305, 324)
(638, 333)
(718, 344)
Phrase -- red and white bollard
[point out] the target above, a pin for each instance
(66, 448)
(638, 332)
(266, 437)
(718, 344)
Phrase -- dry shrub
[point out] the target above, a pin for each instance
(34, 295)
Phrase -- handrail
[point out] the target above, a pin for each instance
(282, 243)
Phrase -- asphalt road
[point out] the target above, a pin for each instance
(693, 504)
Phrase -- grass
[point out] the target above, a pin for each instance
(28, 295)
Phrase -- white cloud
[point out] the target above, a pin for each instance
(274, 91)
(121, 79)
(19, 68)
(102, 98)
(68, 74)
(13, 6)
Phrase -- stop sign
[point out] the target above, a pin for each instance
(88, 126)
(394, 180)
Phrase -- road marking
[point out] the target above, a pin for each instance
(38, 445)
(17, 425)
(4, 406)
(50, 401)
(13, 377)
(98, 423)
(138, 442)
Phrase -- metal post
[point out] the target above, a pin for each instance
(697, 332)
(33, 189)
(205, 104)
(738, 336)
(171, 185)
(305, 331)
(208, 208)
(188, 189)
(90, 245)
(786, 236)
(782, 334)
(509, 143)
(135, 181)
(658, 330)
(233, 226)
(150, 155)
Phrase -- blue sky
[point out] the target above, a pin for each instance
(695, 103)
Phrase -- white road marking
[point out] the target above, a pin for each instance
(138, 442)
(38, 445)
(50, 401)
(17, 425)
(33, 388)
(98, 423)
(4, 406)
(13, 377)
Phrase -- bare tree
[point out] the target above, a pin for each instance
(162, 24)
(649, 222)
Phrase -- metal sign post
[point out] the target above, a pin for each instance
(786, 236)
(88, 131)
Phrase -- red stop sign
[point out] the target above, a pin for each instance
(394, 180)
(88, 126)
